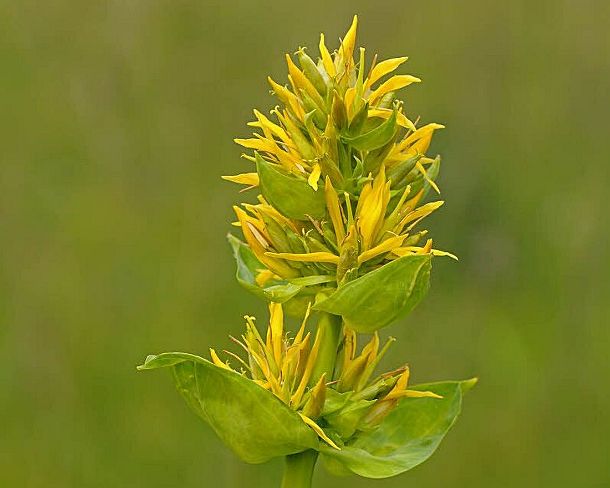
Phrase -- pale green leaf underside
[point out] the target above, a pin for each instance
(253, 422)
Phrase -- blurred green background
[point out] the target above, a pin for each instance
(117, 119)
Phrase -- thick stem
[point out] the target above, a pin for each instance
(298, 471)
(329, 326)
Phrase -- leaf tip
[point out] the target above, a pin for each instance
(468, 385)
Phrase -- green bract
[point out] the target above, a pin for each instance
(257, 426)
(381, 296)
(291, 196)
(407, 436)
(250, 420)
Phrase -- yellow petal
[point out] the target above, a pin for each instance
(419, 214)
(327, 61)
(258, 245)
(263, 276)
(250, 179)
(413, 394)
(312, 257)
(371, 208)
(422, 131)
(296, 398)
(395, 83)
(289, 98)
(385, 113)
(276, 325)
(318, 430)
(348, 99)
(254, 143)
(299, 80)
(334, 210)
(349, 41)
(384, 68)
(265, 124)
(385, 246)
(314, 176)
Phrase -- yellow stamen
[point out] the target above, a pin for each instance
(424, 173)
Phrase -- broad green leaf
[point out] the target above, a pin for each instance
(247, 268)
(252, 421)
(375, 138)
(405, 438)
(291, 196)
(382, 296)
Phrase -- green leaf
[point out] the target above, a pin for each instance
(247, 268)
(292, 197)
(252, 421)
(375, 138)
(382, 296)
(405, 438)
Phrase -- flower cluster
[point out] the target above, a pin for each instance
(355, 165)
(286, 367)
(342, 176)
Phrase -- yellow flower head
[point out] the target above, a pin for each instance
(334, 104)
(285, 367)
(341, 132)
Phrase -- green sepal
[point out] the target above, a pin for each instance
(405, 438)
(291, 196)
(335, 401)
(295, 294)
(375, 138)
(381, 296)
(345, 421)
(250, 420)
(247, 268)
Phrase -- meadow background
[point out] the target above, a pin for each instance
(116, 123)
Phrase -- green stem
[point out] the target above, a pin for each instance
(329, 326)
(298, 471)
